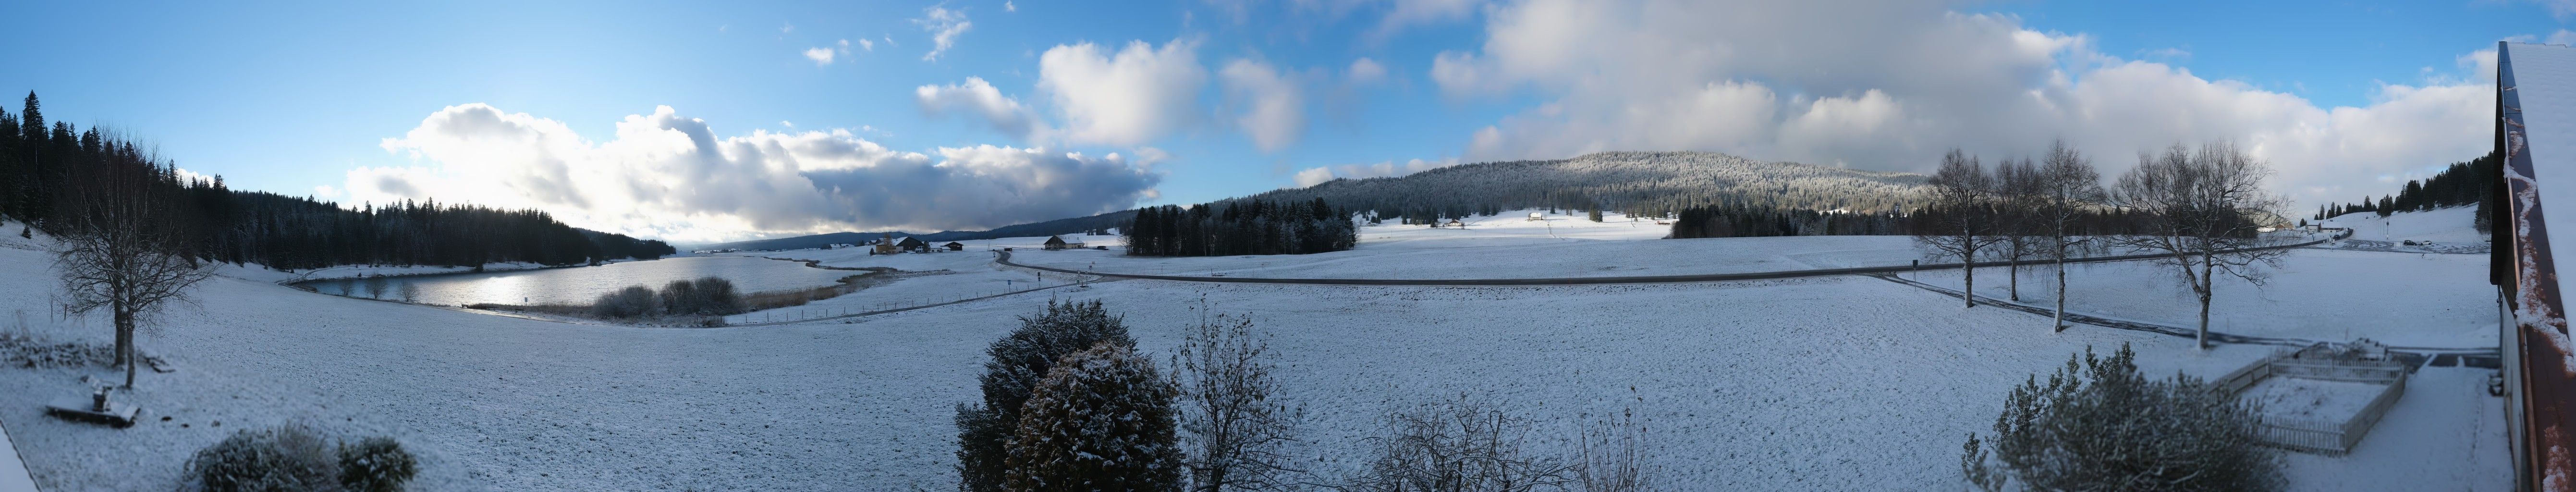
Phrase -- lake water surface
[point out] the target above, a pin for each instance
(581, 285)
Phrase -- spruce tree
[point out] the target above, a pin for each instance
(1102, 420)
(1020, 361)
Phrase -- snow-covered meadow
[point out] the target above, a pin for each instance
(1835, 383)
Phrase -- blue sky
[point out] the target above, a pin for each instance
(1223, 98)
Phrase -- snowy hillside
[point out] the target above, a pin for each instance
(1626, 180)
(2448, 225)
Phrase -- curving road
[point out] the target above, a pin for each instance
(1004, 258)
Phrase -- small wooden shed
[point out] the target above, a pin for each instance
(954, 246)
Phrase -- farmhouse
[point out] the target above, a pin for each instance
(912, 244)
(1057, 242)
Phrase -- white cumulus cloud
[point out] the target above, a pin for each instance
(944, 25)
(1365, 71)
(1273, 105)
(978, 98)
(1902, 81)
(1126, 98)
(668, 176)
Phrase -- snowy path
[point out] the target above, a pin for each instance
(2418, 353)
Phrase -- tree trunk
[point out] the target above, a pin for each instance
(2207, 284)
(2059, 322)
(2015, 271)
(1969, 264)
(125, 344)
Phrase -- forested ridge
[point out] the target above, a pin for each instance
(44, 164)
(2461, 184)
(1634, 183)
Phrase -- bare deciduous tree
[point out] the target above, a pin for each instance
(124, 246)
(1958, 221)
(2200, 209)
(1231, 419)
(1465, 445)
(1614, 455)
(2016, 206)
(2067, 184)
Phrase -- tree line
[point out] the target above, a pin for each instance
(1737, 220)
(2461, 184)
(1240, 227)
(2201, 210)
(45, 167)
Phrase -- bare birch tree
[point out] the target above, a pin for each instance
(1958, 221)
(1233, 422)
(124, 246)
(2067, 184)
(2016, 196)
(2199, 209)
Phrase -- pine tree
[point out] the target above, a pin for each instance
(1020, 361)
(1102, 420)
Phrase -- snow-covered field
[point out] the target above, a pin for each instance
(2401, 299)
(2448, 225)
(1840, 383)
(1512, 246)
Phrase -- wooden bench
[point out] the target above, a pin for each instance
(118, 414)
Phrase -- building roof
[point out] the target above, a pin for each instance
(2544, 78)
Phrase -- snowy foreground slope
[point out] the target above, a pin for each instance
(1840, 383)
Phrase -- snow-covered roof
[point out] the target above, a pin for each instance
(2544, 79)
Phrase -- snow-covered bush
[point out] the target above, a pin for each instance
(1102, 420)
(704, 296)
(631, 302)
(279, 459)
(1019, 362)
(26, 350)
(376, 464)
(2101, 426)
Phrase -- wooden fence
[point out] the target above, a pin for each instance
(2313, 435)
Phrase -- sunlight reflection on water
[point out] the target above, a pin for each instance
(580, 285)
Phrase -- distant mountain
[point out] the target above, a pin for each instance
(1651, 183)
(1647, 183)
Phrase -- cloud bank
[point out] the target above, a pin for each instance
(668, 176)
(1899, 82)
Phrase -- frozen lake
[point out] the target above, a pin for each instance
(580, 285)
